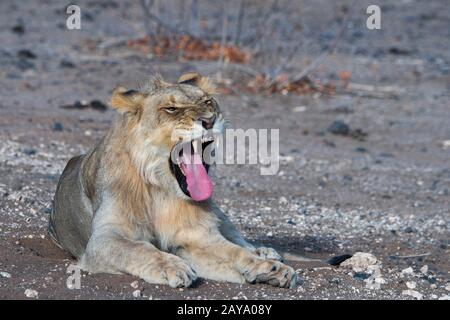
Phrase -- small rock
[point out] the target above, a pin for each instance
(409, 230)
(291, 222)
(57, 126)
(134, 284)
(26, 54)
(283, 201)
(29, 151)
(335, 281)
(136, 293)
(360, 261)
(399, 51)
(98, 105)
(30, 293)
(447, 287)
(380, 280)
(413, 293)
(441, 223)
(5, 274)
(408, 270)
(361, 149)
(445, 297)
(445, 144)
(19, 29)
(424, 269)
(299, 109)
(66, 64)
(270, 234)
(339, 127)
(361, 276)
(411, 284)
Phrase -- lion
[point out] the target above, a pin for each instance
(130, 206)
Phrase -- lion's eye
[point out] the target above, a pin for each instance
(170, 109)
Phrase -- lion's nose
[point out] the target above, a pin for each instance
(207, 123)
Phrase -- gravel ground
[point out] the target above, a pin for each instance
(386, 193)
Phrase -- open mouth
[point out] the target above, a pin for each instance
(190, 168)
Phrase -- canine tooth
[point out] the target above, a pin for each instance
(196, 146)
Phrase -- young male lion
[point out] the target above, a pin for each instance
(128, 206)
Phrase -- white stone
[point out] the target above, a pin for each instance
(408, 270)
(360, 261)
(424, 269)
(5, 274)
(413, 293)
(445, 297)
(447, 287)
(134, 284)
(136, 293)
(283, 200)
(299, 109)
(411, 284)
(445, 144)
(30, 293)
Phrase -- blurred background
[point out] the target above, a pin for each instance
(363, 118)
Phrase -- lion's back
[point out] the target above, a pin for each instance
(71, 216)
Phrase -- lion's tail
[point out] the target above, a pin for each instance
(334, 261)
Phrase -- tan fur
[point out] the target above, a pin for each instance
(120, 209)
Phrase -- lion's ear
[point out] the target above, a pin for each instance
(124, 100)
(195, 79)
(191, 78)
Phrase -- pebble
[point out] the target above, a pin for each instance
(134, 284)
(5, 274)
(57, 126)
(136, 293)
(413, 293)
(424, 269)
(30, 293)
(270, 234)
(445, 144)
(445, 297)
(447, 287)
(408, 270)
(339, 127)
(411, 284)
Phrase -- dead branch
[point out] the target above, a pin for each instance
(147, 9)
(240, 18)
(321, 58)
(412, 256)
(370, 91)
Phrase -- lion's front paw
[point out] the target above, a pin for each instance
(173, 271)
(271, 272)
(268, 253)
(178, 273)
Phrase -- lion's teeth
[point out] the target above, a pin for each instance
(196, 145)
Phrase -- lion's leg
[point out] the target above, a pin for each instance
(229, 231)
(216, 258)
(109, 252)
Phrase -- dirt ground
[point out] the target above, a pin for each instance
(384, 193)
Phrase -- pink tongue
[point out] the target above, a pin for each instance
(199, 184)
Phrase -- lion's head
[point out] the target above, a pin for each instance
(170, 131)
